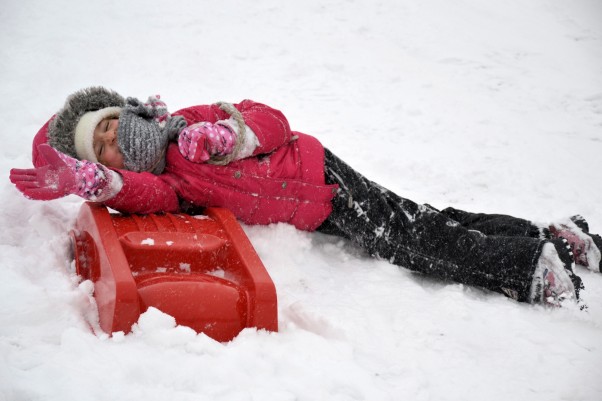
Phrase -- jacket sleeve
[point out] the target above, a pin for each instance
(144, 193)
(269, 125)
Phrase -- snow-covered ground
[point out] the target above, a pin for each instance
(481, 105)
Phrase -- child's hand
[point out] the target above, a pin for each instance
(62, 176)
(199, 142)
(192, 143)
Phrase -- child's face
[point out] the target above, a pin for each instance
(105, 143)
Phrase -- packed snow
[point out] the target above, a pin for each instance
(485, 106)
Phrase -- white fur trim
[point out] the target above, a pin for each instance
(84, 132)
(251, 141)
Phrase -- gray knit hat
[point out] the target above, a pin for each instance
(61, 131)
(144, 132)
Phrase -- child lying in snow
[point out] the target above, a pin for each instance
(137, 158)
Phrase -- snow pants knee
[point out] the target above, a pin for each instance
(496, 252)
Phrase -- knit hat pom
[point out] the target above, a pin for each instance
(62, 129)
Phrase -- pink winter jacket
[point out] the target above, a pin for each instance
(283, 181)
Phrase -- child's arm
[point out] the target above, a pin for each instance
(269, 125)
(144, 193)
(212, 131)
(199, 142)
(62, 175)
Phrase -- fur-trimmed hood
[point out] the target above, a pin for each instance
(61, 131)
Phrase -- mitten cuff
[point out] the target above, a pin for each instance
(249, 145)
(114, 185)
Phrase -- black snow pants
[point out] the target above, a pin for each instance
(497, 252)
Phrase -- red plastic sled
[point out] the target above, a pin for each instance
(202, 270)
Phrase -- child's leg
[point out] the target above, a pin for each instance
(585, 246)
(496, 224)
(421, 238)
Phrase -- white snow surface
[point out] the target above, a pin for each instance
(485, 106)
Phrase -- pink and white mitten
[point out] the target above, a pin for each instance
(64, 175)
(199, 142)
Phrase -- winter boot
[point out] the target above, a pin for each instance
(584, 246)
(551, 283)
(582, 224)
(565, 254)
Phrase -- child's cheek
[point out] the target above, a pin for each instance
(113, 158)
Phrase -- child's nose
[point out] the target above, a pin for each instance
(110, 136)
